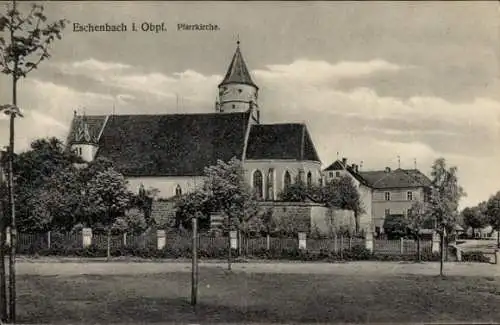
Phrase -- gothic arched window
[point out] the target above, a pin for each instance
(270, 184)
(178, 190)
(287, 180)
(309, 179)
(258, 183)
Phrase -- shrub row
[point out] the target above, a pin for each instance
(356, 253)
(475, 256)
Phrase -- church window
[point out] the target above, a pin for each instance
(258, 183)
(309, 179)
(287, 180)
(270, 184)
(178, 190)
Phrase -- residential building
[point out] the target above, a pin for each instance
(382, 192)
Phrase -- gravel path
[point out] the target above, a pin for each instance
(351, 268)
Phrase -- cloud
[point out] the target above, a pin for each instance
(320, 72)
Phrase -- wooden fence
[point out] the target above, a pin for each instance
(31, 243)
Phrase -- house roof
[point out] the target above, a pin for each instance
(336, 165)
(399, 178)
(238, 71)
(339, 165)
(281, 141)
(172, 145)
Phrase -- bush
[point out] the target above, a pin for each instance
(476, 256)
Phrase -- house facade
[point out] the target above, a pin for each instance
(382, 192)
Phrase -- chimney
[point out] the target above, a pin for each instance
(387, 169)
(353, 166)
(344, 161)
(356, 168)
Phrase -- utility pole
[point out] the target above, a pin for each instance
(194, 268)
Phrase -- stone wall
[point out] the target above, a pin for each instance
(327, 221)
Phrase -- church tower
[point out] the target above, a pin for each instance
(237, 92)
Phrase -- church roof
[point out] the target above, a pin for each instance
(238, 71)
(172, 145)
(280, 141)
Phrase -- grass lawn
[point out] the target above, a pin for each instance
(244, 297)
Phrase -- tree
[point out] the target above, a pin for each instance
(444, 198)
(46, 170)
(30, 37)
(493, 213)
(295, 192)
(230, 194)
(417, 218)
(474, 218)
(107, 199)
(342, 193)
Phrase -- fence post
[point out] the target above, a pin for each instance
(7, 237)
(86, 237)
(268, 242)
(369, 241)
(335, 243)
(233, 235)
(160, 239)
(402, 245)
(350, 242)
(435, 242)
(48, 239)
(124, 239)
(302, 240)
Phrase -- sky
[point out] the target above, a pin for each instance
(372, 80)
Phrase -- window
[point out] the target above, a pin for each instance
(178, 190)
(337, 174)
(387, 196)
(239, 90)
(330, 174)
(408, 212)
(409, 196)
(309, 179)
(387, 212)
(234, 106)
(257, 183)
(287, 180)
(270, 184)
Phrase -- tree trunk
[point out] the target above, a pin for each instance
(108, 246)
(12, 203)
(446, 248)
(419, 256)
(3, 279)
(230, 248)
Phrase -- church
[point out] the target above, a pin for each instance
(168, 152)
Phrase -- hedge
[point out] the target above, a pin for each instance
(356, 253)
